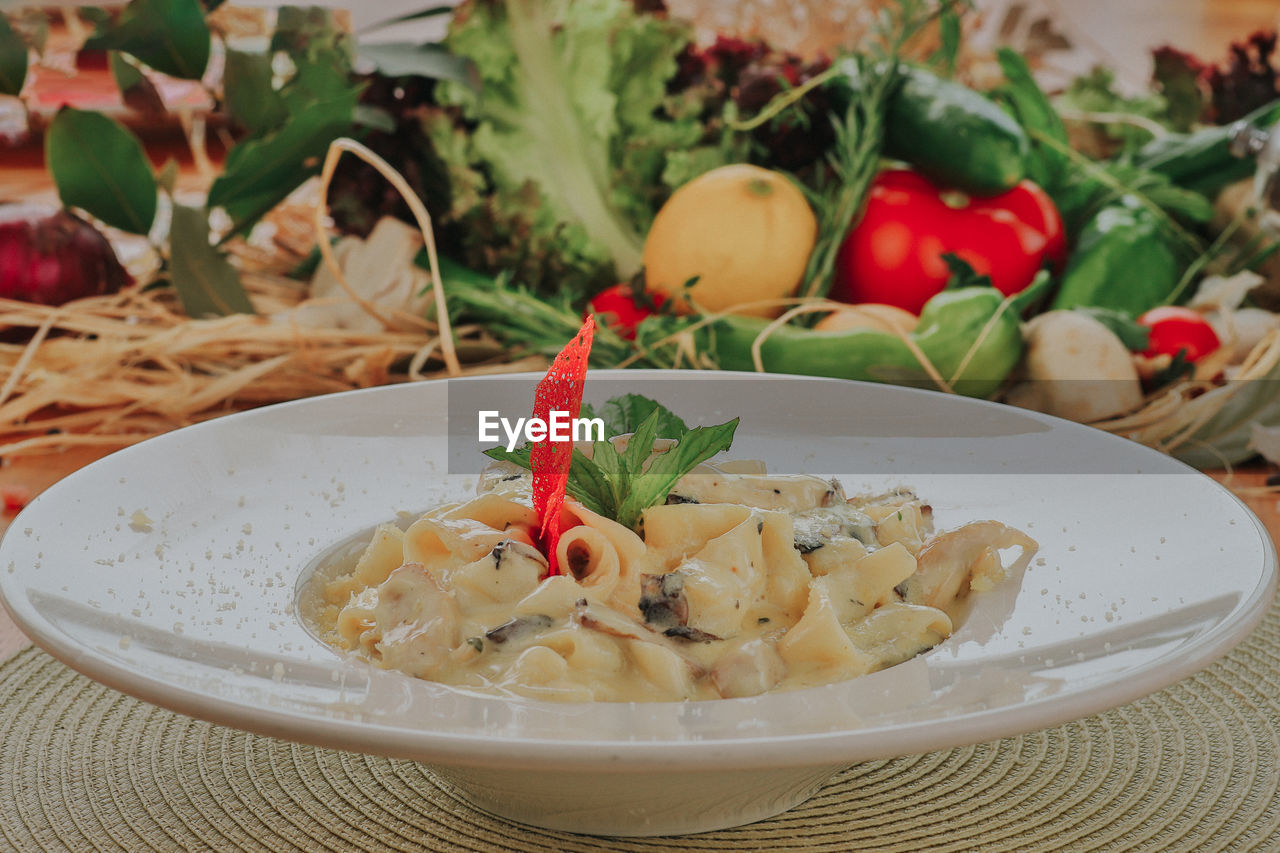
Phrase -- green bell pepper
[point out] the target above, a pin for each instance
(950, 325)
(1124, 260)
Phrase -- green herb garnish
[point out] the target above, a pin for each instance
(622, 485)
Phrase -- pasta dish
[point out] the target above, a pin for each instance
(741, 582)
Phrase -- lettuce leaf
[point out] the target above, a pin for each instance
(567, 137)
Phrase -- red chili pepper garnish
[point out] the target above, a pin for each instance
(560, 390)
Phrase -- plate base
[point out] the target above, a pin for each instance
(675, 802)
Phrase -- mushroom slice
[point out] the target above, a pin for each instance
(614, 624)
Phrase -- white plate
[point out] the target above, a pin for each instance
(1149, 572)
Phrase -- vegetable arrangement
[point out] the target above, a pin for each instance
(736, 206)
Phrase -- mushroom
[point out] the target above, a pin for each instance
(1076, 368)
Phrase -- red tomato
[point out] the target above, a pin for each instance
(894, 254)
(1179, 330)
(619, 308)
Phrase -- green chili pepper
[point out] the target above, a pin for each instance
(950, 325)
(1124, 260)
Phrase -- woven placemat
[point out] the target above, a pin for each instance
(1194, 767)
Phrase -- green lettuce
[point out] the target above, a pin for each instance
(557, 150)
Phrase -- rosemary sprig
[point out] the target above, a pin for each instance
(854, 160)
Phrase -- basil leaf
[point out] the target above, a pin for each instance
(622, 486)
(13, 59)
(521, 456)
(590, 487)
(652, 487)
(625, 413)
(169, 35)
(205, 281)
(640, 445)
(99, 166)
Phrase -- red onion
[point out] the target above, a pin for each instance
(51, 257)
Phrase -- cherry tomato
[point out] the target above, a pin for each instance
(895, 253)
(1179, 330)
(620, 308)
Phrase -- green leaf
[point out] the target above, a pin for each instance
(171, 36)
(136, 90)
(963, 274)
(301, 31)
(625, 413)
(323, 76)
(1134, 337)
(125, 73)
(653, 486)
(250, 97)
(374, 118)
(205, 282)
(261, 172)
(13, 59)
(622, 485)
(589, 487)
(168, 176)
(33, 25)
(100, 166)
(1035, 113)
(521, 456)
(950, 36)
(407, 59)
(640, 445)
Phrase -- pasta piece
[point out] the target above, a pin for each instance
(791, 493)
(839, 552)
(786, 575)
(589, 654)
(506, 574)
(356, 626)
(541, 667)
(439, 542)
(417, 619)
(554, 597)
(661, 667)
(876, 574)
(897, 632)
(949, 560)
(383, 554)
(725, 579)
(818, 647)
(675, 531)
(498, 512)
(906, 525)
(753, 668)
